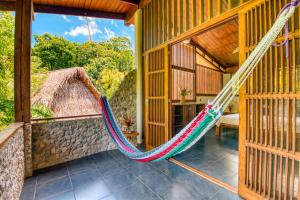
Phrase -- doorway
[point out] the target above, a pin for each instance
(200, 66)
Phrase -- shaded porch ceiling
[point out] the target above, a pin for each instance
(112, 9)
(221, 43)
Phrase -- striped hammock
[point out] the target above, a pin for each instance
(209, 116)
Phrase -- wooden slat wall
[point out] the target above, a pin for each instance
(156, 98)
(166, 19)
(208, 81)
(183, 70)
(270, 110)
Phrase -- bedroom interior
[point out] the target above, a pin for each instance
(202, 65)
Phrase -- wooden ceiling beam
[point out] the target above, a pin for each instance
(11, 6)
(77, 12)
(130, 16)
(143, 3)
(204, 52)
(131, 2)
(7, 6)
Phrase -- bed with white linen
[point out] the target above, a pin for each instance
(232, 121)
(229, 121)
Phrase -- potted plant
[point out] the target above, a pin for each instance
(183, 93)
(127, 122)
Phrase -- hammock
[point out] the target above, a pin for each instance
(209, 116)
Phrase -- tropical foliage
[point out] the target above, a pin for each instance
(112, 58)
(6, 68)
(106, 62)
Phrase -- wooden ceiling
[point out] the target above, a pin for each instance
(113, 9)
(221, 43)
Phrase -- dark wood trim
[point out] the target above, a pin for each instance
(7, 6)
(199, 94)
(187, 101)
(131, 2)
(183, 69)
(203, 66)
(202, 50)
(11, 6)
(77, 12)
(67, 117)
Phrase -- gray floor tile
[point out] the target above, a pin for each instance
(218, 157)
(51, 174)
(64, 196)
(223, 194)
(163, 180)
(136, 191)
(181, 191)
(27, 192)
(81, 165)
(111, 197)
(53, 188)
(110, 169)
(157, 181)
(119, 181)
(93, 190)
(86, 178)
(200, 185)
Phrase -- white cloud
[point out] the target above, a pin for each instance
(66, 18)
(83, 29)
(109, 33)
(114, 23)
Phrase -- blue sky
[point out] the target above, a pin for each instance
(75, 29)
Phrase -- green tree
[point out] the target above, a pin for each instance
(38, 74)
(55, 52)
(7, 27)
(110, 80)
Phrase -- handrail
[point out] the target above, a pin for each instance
(9, 131)
(66, 117)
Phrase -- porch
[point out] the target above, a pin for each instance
(74, 158)
(110, 175)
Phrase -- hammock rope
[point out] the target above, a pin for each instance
(209, 116)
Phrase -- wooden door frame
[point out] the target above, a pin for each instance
(166, 95)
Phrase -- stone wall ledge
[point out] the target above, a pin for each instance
(9, 131)
(60, 141)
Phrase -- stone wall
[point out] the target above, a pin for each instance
(124, 99)
(60, 141)
(12, 169)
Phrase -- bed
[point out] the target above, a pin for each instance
(232, 121)
(229, 121)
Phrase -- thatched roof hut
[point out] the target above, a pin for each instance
(69, 92)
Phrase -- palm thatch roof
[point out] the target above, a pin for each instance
(69, 92)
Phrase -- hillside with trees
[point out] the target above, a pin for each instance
(106, 62)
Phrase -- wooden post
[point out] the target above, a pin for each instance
(23, 60)
(22, 79)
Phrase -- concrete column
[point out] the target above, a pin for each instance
(139, 72)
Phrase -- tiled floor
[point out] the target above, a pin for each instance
(217, 157)
(111, 176)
